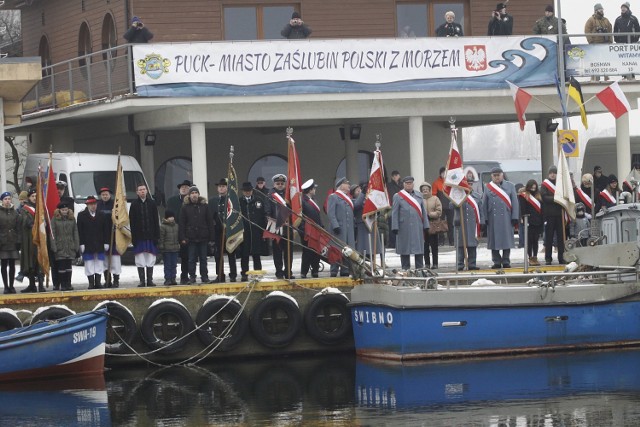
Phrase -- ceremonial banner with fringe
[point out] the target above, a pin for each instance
(456, 186)
(51, 192)
(39, 229)
(119, 214)
(233, 221)
(377, 198)
(293, 196)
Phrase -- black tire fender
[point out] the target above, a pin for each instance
(52, 312)
(121, 327)
(275, 320)
(9, 320)
(213, 319)
(166, 325)
(328, 319)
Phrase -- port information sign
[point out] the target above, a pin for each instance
(602, 59)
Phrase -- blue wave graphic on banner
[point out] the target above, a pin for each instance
(531, 72)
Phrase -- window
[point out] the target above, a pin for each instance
(45, 60)
(420, 19)
(267, 166)
(84, 47)
(109, 39)
(256, 22)
(169, 174)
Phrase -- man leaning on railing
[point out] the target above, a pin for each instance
(598, 24)
(626, 23)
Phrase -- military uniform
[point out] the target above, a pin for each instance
(472, 218)
(500, 210)
(253, 211)
(340, 212)
(409, 220)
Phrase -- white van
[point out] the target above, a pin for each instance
(86, 173)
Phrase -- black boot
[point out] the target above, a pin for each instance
(107, 279)
(40, 284)
(98, 285)
(141, 276)
(31, 287)
(150, 276)
(116, 280)
(66, 282)
(92, 281)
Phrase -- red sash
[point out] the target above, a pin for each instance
(500, 193)
(535, 203)
(29, 209)
(278, 198)
(607, 196)
(584, 198)
(549, 186)
(412, 202)
(315, 205)
(344, 197)
(476, 212)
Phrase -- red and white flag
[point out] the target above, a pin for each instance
(293, 195)
(521, 98)
(614, 99)
(377, 198)
(456, 186)
(51, 193)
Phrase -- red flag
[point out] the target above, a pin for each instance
(521, 99)
(614, 99)
(320, 241)
(52, 197)
(456, 186)
(293, 196)
(377, 197)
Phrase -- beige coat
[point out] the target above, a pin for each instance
(432, 204)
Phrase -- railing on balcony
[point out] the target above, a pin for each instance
(100, 75)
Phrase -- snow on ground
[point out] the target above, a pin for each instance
(446, 262)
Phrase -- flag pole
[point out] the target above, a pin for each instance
(289, 132)
(378, 144)
(107, 273)
(464, 238)
(223, 220)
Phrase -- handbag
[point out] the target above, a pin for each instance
(437, 226)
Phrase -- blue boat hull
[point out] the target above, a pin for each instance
(68, 347)
(414, 333)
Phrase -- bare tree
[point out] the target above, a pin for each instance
(10, 33)
(14, 160)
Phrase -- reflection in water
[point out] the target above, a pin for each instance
(585, 389)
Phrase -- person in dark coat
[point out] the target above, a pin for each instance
(94, 241)
(501, 213)
(449, 28)
(310, 213)
(261, 187)
(137, 33)
(278, 208)
(626, 23)
(28, 251)
(609, 196)
(196, 230)
(392, 188)
(410, 222)
(340, 212)
(113, 261)
(501, 23)
(473, 217)
(8, 241)
(552, 213)
(169, 245)
(253, 211)
(364, 237)
(296, 28)
(66, 243)
(174, 203)
(145, 233)
(218, 207)
(600, 181)
(531, 205)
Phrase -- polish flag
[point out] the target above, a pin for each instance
(613, 98)
(456, 186)
(521, 98)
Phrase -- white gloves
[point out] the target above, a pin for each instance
(106, 247)
(81, 249)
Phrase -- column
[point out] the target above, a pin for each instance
(199, 158)
(3, 147)
(148, 165)
(623, 147)
(416, 148)
(548, 151)
(351, 157)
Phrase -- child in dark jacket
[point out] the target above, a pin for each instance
(169, 246)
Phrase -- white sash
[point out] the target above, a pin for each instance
(476, 212)
(413, 202)
(584, 197)
(278, 198)
(550, 186)
(606, 195)
(315, 205)
(500, 193)
(535, 203)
